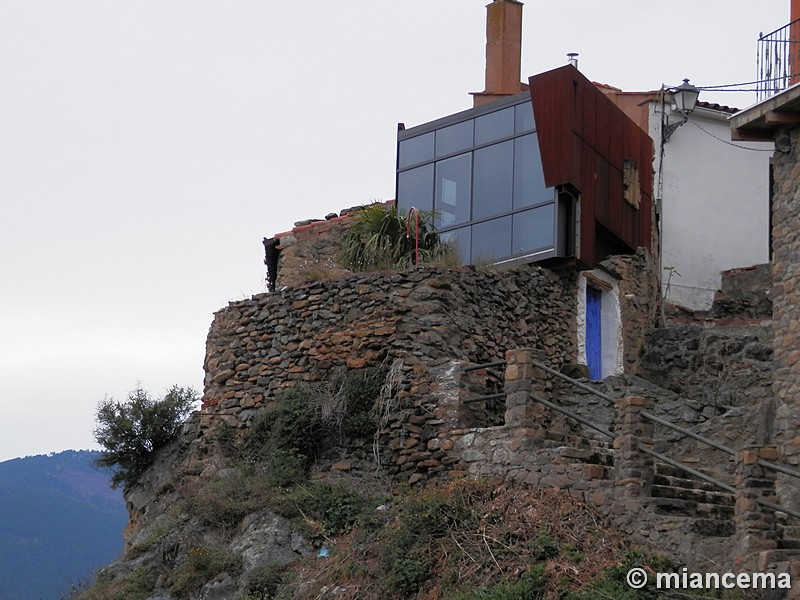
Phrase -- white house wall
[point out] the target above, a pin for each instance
(714, 201)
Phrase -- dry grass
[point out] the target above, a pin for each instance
(444, 541)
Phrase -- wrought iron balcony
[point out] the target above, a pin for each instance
(778, 60)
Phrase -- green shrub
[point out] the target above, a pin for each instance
(285, 467)
(427, 516)
(380, 238)
(203, 565)
(137, 585)
(305, 418)
(225, 501)
(612, 582)
(155, 535)
(132, 431)
(336, 507)
(406, 574)
(529, 587)
(263, 581)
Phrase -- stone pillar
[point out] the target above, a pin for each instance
(755, 524)
(633, 469)
(522, 380)
(518, 384)
(446, 388)
(786, 306)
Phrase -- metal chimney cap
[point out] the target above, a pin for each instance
(572, 59)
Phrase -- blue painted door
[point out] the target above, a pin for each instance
(593, 333)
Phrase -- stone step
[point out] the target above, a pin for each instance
(670, 471)
(688, 508)
(684, 482)
(789, 532)
(582, 442)
(713, 527)
(587, 455)
(768, 560)
(688, 484)
(789, 544)
(693, 495)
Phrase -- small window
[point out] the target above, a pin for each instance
(494, 126)
(493, 179)
(529, 185)
(491, 240)
(461, 238)
(415, 188)
(523, 117)
(454, 138)
(453, 190)
(415, 150)
(534, 229)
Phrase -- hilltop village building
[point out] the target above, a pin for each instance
(595, 194)
(565, 173)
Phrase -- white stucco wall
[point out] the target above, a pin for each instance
(714, 205)
(610, 325)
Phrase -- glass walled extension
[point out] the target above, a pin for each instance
(481, 172)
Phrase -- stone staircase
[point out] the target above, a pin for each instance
(789, 535)
(675, 492)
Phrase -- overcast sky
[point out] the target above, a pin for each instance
(147, 147)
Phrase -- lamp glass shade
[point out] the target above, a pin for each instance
(685, 97)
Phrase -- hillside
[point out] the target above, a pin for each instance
(324, 402)
(60, 522)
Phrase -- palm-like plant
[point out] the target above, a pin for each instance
(380, 238)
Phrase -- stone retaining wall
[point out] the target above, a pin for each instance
(259, 346)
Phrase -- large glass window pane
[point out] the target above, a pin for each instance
(529, 185)
(415, 189)
(415, 150)
(523, 117)
(491, 240)
(453, 187)
(454, 138)
(534, 229)
(495, 125)
(493, 180)
(461, 238)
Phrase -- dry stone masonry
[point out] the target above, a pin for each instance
(785, 303)
(259, 346)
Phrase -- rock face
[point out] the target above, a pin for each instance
(171, 538)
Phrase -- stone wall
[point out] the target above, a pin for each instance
(712, 366)
(640, 301)
(786, 293)
(420, 318)
(307, 252)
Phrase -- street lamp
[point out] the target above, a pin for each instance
(685, 99)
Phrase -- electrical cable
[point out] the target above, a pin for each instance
(728, 142)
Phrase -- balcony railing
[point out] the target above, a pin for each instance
(778, 60)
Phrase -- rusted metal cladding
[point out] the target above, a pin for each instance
(585, 142)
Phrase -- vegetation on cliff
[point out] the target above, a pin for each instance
(279, 522)
(134, 430)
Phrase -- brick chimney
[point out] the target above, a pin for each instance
(503, 51)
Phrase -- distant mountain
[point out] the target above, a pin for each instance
(59, 521)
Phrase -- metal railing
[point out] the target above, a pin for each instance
(651, 417)
(778, 60)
